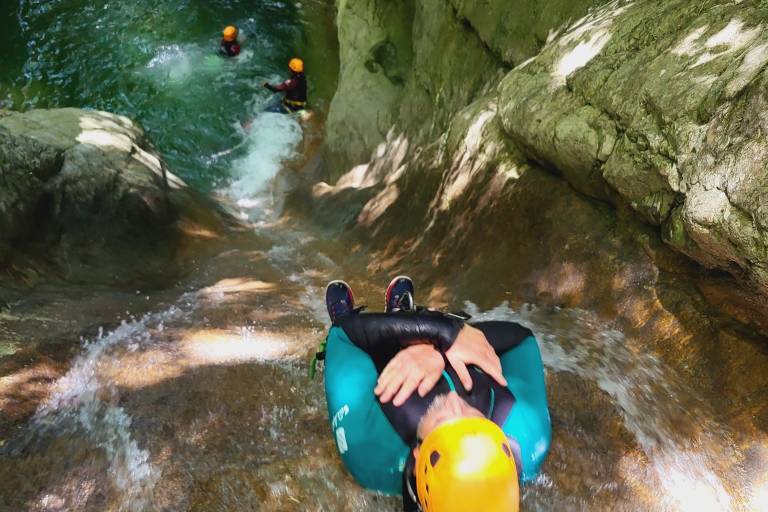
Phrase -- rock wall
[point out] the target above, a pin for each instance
(516, 30)
(83, 195)
(655, 107)
(413, 65)
(658, 105)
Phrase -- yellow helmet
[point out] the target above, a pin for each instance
(296, 65)
(467, 464)
(230, 33)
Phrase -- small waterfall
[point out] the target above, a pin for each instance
(270, 140)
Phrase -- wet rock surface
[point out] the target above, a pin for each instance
(652, 107)
(200, 403)
(85, 198)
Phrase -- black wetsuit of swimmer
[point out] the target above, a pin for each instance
(229, 48)
(383, 335)
(295, 89)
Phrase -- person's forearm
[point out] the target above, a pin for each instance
(382, 335)
(503, 336)
(285, 86)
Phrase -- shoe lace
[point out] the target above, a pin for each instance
(336, 307)
(405, 302)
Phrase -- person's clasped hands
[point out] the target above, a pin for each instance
(419, 367)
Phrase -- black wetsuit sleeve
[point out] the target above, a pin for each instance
(288, 85)
(503, 336)
(383, 335)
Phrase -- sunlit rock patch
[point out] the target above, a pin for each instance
(212, 347)
(385, 161)
(733, 37)
(584, 40)
(237, 285)
(473, 154)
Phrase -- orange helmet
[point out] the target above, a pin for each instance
(230, 33)
(296, 65)
(467, 464)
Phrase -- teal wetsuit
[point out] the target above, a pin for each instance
(374, 441)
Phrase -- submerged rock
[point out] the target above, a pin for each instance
(85, 196)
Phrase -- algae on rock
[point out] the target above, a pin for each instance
(678, 85)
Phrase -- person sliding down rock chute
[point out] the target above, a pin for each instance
(295, 88)
(230, 44)
(452, 416)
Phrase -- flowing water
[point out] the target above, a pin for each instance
(203, 403)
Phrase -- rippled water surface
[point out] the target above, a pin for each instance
(155, 61)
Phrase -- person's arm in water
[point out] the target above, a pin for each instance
(288, 85)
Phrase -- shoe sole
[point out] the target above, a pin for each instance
(389, 289)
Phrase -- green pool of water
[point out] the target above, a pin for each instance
(155, 61)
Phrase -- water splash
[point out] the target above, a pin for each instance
(270, 141)
(673, 427)
(178, 66)
(84, 404)
(171, 61)
(318, 268)
(313, 299)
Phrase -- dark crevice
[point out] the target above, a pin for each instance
(495, 55)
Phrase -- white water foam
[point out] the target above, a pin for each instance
(313, 299)
(83, 404)
(312, 296)
(271, 140)
(652, 401)
(176, 65)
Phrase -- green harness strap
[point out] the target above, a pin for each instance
(319, 356)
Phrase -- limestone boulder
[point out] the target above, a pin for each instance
(658, 106)
(85, 195)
